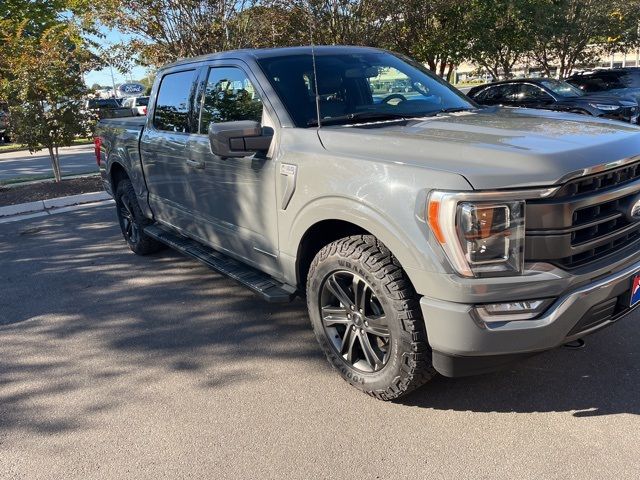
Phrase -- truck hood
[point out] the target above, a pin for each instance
(492, 148)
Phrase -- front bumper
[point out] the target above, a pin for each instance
(456, 333)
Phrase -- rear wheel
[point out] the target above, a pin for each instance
(132, 220)
(367, 319)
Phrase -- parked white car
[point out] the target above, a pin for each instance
(137, 104)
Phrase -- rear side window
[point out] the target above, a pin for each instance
(497, 94)
(531, 92)
(229, 95)
(172, 105)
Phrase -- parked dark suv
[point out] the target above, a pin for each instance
(551, 94)
(616, 81)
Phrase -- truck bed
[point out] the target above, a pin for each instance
(126, 122)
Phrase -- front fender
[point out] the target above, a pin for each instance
(406, 236)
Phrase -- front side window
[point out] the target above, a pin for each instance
(229, 96)
(172, 105)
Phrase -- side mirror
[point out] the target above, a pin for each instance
(239, 139)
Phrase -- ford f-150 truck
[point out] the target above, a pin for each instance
(426, 233)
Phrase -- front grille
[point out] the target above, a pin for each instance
(601, 181)
(586, 220)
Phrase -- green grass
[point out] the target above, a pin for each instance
(14, 147)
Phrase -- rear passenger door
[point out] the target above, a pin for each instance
(163, 147)
(234, 199)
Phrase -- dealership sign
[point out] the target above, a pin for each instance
(131, 88)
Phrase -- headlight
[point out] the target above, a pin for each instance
(481, 233)
(606, 108)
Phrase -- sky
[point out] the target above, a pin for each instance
(103, 77)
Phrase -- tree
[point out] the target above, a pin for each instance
(42, 82)
(433, 32)
(501, 33)
(345, 22)
(166, 30)
(572, 32)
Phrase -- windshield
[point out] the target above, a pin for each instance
(562, 88)
(358, 87)
(142, 101)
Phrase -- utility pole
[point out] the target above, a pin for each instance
(113, 81)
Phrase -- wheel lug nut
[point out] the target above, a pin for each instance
(353, 307)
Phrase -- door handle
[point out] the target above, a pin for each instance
(195, 164)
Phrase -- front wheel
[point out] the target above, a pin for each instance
(367, 319)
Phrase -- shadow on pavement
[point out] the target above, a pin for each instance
(79, 312)
(69, 280)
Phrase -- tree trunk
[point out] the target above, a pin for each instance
(55, 163)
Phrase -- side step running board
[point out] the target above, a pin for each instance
(261, 283)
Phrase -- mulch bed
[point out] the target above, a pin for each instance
(14, 194)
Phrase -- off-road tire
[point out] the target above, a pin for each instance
(141, 244)
(409, 362)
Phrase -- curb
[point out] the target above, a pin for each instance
(52, 203)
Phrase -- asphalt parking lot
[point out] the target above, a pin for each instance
(117, 366)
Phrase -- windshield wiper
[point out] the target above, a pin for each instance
(350, 117)
(451, 110)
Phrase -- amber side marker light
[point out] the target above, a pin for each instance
(433, 218)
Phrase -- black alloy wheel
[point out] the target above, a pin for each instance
(355, 322)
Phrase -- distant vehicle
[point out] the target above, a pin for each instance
(615, 81)
(107, 108)
(138, 105)
(551, 94)
(399, 86)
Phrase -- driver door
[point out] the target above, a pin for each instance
(234, 199)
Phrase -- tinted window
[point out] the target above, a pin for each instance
(528, 92)
(630, 79)
(172, 105)
(352, 86)
(104, 103)
(496, 94)
(142, 101)
(588, 84)
(229, 96)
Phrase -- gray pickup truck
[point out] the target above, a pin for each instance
(427, 234)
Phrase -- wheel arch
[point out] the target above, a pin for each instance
(117, 173)
(329, 223)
